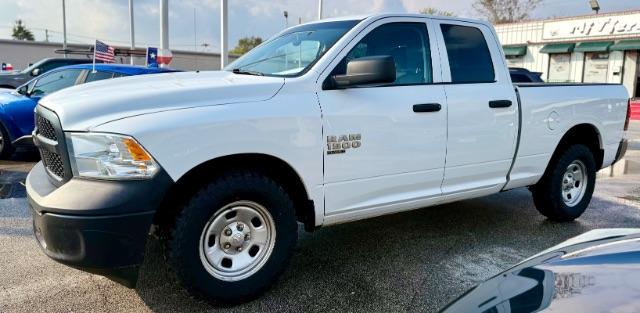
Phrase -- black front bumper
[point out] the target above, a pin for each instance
(96, 226)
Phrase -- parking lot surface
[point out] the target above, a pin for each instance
(413, 261)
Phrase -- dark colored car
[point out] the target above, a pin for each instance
(15, 79)
(16, 108)
(523, 75)
(598, 271)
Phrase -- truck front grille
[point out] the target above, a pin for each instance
(49, 138)
(45, 128)
(53, 162)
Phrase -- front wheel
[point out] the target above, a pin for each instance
(6, 149)
(233, 238)
(566, 188)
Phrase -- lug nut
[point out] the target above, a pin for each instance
(239, 249)
(227, 232)
(247, 237)
(240, 227)
(227, 245)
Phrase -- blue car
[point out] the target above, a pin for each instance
(16, 108)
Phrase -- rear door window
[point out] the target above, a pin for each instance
(469, 57)
(99, 75)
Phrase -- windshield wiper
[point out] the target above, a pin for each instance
(245, 72)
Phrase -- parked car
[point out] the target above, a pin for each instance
(16, 108)
(17, 78)
(327, 122)
(523, 75)
(598, 271)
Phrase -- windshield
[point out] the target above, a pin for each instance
(293, 52)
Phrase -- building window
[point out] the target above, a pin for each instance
(560, 67)
(596, 67)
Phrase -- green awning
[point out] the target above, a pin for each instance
(558, 48)
(515, 51)
(626, 45)
(593, 46)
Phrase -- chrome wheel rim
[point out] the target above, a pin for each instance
(237, 241)
(574, 183)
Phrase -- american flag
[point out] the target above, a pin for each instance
(104, 52)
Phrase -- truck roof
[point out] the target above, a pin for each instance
(383, 15)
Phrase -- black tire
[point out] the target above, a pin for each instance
(547, 193)
(183, 246)
(6, 148)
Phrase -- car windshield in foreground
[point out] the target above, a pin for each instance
(293, 52)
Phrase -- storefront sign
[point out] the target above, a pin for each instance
(592, 27)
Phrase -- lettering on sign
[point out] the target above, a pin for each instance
(592, 27)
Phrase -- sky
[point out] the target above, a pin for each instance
(195, 24)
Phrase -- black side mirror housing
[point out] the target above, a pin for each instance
(379, 69)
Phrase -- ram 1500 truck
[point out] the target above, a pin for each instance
(325, 123)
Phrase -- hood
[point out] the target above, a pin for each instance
(595, 272)
(85, 106)
(9, 96)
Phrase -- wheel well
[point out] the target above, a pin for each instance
(271, 166)
(585, 134)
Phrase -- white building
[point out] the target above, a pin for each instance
(599, 48)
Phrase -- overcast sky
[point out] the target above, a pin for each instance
(108, 20)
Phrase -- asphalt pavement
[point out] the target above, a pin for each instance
(413, 261)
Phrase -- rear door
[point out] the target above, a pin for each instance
(482, 110)
(394, 143)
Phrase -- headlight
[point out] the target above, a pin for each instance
(109, 156)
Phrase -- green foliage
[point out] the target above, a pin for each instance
(505, 11)
(20, 32)
(245, 44)
(434, 11)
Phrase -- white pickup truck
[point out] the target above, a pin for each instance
(326, 122)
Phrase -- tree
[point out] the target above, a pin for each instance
(505, 11)
(245, 44)
(434, 11)
(20, 32)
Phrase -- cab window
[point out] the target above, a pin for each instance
(469, 56)
(407, 43)
(55, 81)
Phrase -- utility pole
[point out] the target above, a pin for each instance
(64, 28)
(164, 27)
(195, 37)
(224, 56)
(132, 31)
(319, 9)
(46, 35)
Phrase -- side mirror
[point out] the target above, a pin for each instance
(371, 70)
(35, 72)
(23, 90)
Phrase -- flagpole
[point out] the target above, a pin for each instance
(94, 56)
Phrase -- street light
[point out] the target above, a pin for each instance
(595, 5)
(286, 19)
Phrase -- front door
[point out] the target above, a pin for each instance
(385, 144)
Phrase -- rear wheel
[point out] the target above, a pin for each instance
(6, 149)
(565, 190)
(233, 238)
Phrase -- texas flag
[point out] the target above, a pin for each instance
(156, 56)
(164, 56)
(152, 57)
